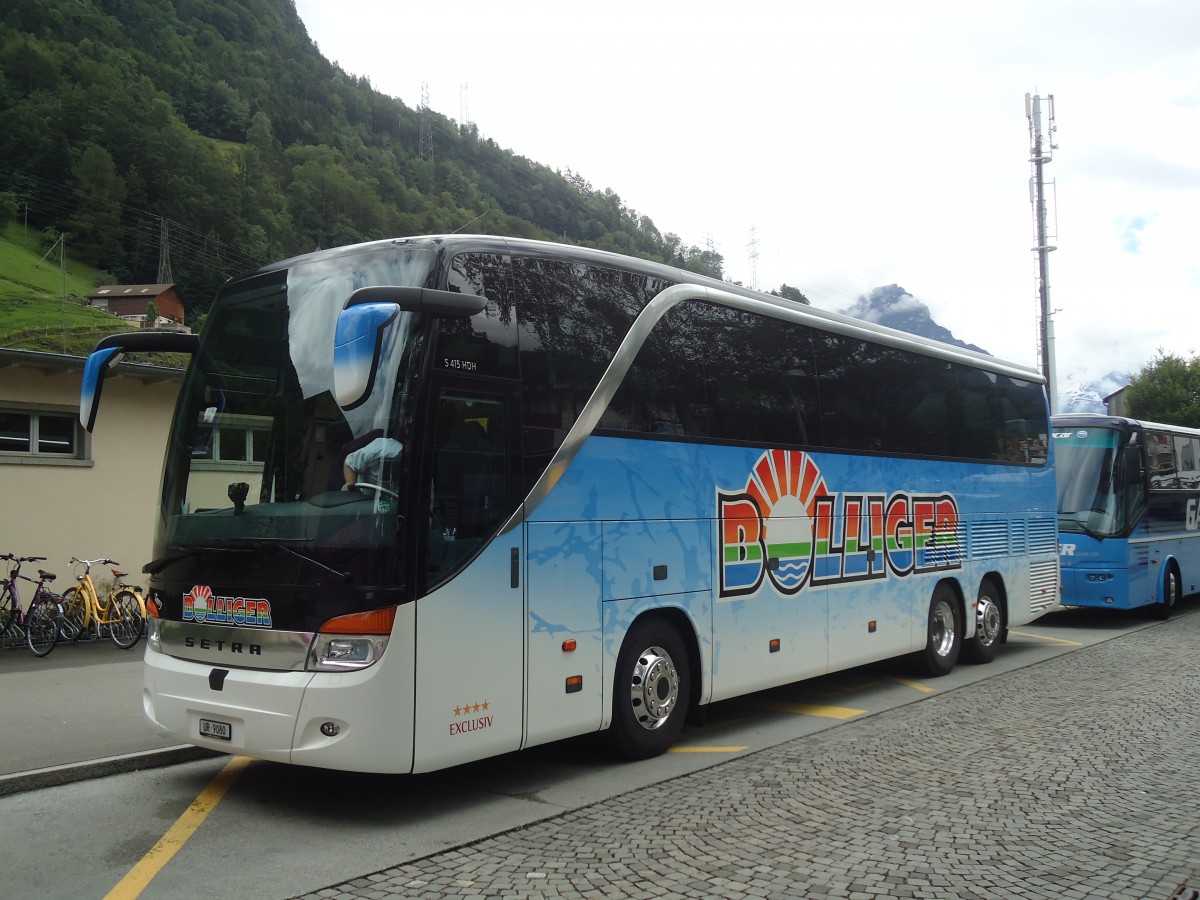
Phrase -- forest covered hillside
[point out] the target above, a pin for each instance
(215, 131)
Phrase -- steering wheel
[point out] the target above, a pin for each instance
(375, 487)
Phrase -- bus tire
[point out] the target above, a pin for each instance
(651, 691)
(989, 625)
(943, 632)
(1170, 594)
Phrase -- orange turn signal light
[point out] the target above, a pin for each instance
(374, 621)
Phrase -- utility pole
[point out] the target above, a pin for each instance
(1041, 150)
(165, 276)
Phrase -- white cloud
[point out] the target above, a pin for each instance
(865, 142)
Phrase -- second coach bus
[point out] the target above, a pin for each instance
(1128, 509)
(433, 499)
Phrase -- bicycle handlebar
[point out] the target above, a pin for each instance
(91, 562)
(12, 558)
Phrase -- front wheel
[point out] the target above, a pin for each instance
(652, 690)
(989, 625)
(943, 633)
(126, 629)
(41, 625)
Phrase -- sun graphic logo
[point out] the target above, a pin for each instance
(767, 529)
(196, 603)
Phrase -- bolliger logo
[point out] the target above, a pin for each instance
(788, 527)
(199, 605)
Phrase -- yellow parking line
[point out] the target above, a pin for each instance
(814, 709)
(705, 749)
(1043, 637)
(916, 685)
(185, 826)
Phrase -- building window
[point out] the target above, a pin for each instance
(29, 434)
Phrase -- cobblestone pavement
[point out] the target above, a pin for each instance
(1074, 778)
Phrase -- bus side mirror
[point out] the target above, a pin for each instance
(362, 323)
(98, 363)
(110, 350)
(357, 342)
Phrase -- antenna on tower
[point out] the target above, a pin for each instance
(165, 275)
(753, 245)
(1041, 152)
(426, 148)
(463, 114)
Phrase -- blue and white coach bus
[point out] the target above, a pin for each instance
(1128, 501)
(432, 499)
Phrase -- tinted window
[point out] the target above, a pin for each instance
(484, 344)
(712, 372)
(1160, 448)
(572, 319)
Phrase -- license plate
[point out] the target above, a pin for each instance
(220, 731)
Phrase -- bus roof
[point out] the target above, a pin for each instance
(1101, 420)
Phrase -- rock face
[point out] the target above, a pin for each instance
(894, 307)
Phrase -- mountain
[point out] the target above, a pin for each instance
(894, 307)
(210, 136)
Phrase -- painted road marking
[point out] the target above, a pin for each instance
(185, 826)
(916, 685)
(705, 749)
(1043, 637)
(814, 709)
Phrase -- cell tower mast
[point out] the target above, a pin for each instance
(426, 137)
(753, 247)
(1041, 150)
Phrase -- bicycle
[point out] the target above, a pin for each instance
(122, 612)
(41, 624)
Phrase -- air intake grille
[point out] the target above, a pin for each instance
(1043, 585)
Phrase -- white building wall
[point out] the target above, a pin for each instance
(106, 508)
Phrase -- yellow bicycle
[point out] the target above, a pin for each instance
(122, 612)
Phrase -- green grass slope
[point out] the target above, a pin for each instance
(42, 306)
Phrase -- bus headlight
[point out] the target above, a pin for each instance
(154, 626)
(351, 642)
(343, 652)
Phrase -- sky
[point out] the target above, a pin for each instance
(841, 146)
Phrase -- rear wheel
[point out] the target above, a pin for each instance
(75, 614)
(652, 690)
(943, 633)
(126, 611)
(989, 625)
(41, 625)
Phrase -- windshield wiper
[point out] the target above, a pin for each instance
(282, 544)
(157, 565)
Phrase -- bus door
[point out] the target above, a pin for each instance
(470, 632)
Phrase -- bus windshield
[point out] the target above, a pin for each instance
(260, 452)
(1090, 488)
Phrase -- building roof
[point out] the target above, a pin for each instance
(58, 363)
(130, 290)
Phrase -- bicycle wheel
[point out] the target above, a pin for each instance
(75, 614)
(127, 625)
(41, 625)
